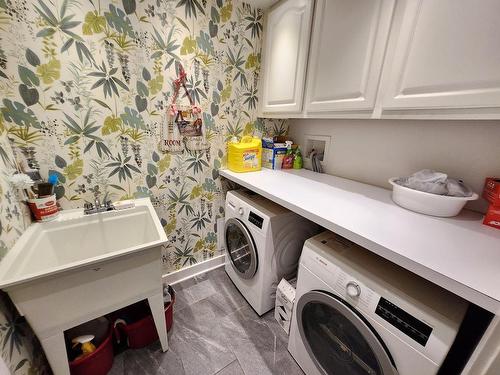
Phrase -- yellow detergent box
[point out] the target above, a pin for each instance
(273, 152)
(245, 155)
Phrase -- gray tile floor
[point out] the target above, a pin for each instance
(215, 332)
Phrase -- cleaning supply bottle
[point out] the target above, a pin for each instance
(298, 163)
(288, 158)
(86, 345)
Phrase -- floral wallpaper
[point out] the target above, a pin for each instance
(19, 348)
(13, 218)
(85, 86)
(84, 91)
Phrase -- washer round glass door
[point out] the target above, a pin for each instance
(338, 339)
(240, 248)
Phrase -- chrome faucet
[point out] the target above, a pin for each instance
(97, 207)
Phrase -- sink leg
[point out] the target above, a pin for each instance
(158, 311)
(55, 350)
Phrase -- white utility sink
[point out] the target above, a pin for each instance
(78, 267)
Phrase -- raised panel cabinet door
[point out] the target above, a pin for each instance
(285, 56)
(447, 55)
(348, 45)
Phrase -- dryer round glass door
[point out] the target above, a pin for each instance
(338, 339)
(240, 248)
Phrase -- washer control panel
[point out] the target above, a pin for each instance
(355, 292)
(406, 323)
(353, 289)
(255, 219)
(344, 284)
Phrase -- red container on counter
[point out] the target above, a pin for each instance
(98, 362)
(135, 323)
(492, 217)
(491, 191)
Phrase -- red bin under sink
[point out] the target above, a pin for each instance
(135, 323)
(98, 362)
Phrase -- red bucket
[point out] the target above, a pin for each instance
(135, 323)
(98, 362)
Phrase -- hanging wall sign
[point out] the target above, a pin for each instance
(184, 123)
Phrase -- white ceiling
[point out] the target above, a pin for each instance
(263, 4)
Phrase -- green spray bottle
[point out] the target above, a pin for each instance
(298, 163)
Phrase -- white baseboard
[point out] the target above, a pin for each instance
(194, 270)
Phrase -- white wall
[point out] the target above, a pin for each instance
(372, 151)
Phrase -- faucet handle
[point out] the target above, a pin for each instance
(87, 207)
(109, 205)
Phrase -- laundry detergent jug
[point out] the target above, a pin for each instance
(245, 155)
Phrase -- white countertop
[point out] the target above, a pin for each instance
(459, 254)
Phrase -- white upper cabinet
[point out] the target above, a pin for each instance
(349, 39)
(382, 58)
(445, 57)
(285, 56)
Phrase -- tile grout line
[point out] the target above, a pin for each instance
(229, 364)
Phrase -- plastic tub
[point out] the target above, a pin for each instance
(428, 203)
(245, 156)
(136, 325)
(98, 362)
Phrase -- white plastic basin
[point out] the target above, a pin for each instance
(428, 203)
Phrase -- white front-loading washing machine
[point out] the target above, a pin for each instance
(357, 313)
(263, 243)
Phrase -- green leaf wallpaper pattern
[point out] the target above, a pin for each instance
(87, 88)
(19, 348)
(84, 89)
